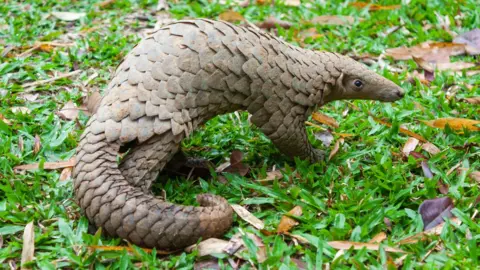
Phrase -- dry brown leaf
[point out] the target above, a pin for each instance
(248, 217)
(423, 235)
(47, 165)
(471, 100)
(28, 248)
(344, 135)
(374, 7)
(475, 176)
(208, 247)
(272, 22)
(471, 39)
(429, 51)
(378, 238)
(324, 119)
(231, 16)
(410, 146)
(68, 16)
(271, 176)
(454, 123)
(308, 33)
(261, 251)
(357, 245)
(402, 130)
(430, 148)
(66, 174)
(37, 144)
(333, 20)
(325, 137)
(431, 66)
(69, 111)
(293, 3)
(23, 110)
(20, 144)
(287, 223)
(336, 147)
(5, 120)
(105, 3)
(434, 211)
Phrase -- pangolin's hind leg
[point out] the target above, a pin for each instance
(145, 160)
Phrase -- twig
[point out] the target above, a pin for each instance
(37, 83)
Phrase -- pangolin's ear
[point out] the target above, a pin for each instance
(340, 83)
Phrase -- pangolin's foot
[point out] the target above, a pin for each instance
(318, 155)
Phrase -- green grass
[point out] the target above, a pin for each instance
(347, 198)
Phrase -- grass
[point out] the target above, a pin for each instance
(348, 198)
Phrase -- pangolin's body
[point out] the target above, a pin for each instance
(175, 80)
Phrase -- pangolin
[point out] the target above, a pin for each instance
(175, 80)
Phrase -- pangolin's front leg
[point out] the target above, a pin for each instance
(287, 131)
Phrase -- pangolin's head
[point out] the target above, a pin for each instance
(358, 82)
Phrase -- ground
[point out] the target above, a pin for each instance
(371, 185)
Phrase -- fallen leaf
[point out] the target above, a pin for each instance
(345, 245)
(271, 176)
(388, 223)
(47, 165)
(429, 51)
(69, 111)
(5, 120)
(208, 247)
(430, 148)
(272, 22)
(410, 146)
(293, 3)
(237, 239)
(23, 110)
(20, 144)
(475, 176)
(426, 169)
(324, 119)
(28, 248)
(374, 7)
(335, 148)
(162, 5)
(68, 16)
(231, 16)
(308, 33)
(286, 222)
(431, 66)
(437, 230)
(236, 165)
(37, 144)
(325, 137)
(66, 174)
(105, 3)
(471, 39)
(454, 123)
(442, 187)
(378, 238)
(333, 20)
(211, 264)
(471, 100)
(434, 211)
(402, 130)
(248, 217)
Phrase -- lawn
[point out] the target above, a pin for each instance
(385, 159)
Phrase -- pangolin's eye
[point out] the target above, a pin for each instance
(358, 83)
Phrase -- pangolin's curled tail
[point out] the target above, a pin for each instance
(121, 209)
